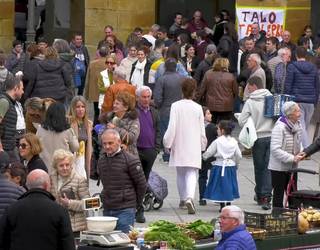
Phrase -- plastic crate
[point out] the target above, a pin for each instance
(280, 222)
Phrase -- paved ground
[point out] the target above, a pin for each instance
(171, 212)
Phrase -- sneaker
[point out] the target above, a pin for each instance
(265, 204)
(202, 202)
(190, 206)
(182, 205)
(140, 217)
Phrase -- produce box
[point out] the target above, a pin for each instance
(280, 222)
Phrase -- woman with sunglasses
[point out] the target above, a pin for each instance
(29, 150)
(106, 77)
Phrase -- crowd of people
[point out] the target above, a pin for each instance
(174, 90)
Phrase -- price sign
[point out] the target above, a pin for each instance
(92, 203)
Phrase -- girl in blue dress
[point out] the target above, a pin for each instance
(223, 185)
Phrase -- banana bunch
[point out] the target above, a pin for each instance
(311, 214)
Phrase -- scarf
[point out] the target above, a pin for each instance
(293, 128)
(138, 73)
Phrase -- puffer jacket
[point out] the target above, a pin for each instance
(302, 81)
(51, 80)
(219, 90)
(76, 186)
(10, 192)
(123, 180)
(285, 143)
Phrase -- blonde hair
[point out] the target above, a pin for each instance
(221, 64)
(51, 53)
(72, 110)
(59, 155)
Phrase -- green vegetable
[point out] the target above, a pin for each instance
(204, 229)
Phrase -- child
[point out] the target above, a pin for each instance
(223, 184)
(211, 134)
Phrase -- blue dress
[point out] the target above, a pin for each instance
(222, 188)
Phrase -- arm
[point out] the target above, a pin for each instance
(276, 150)
(73, 141)
(238, 155)
(204, 140)
(101, 87)
(211, 151)
(89, 148)
(133, 130)
(158, 93)
(289, 80)
(313, 148)
(157, 128)
(107, 101)
(245, 114)
(65, 235)
(170, 134)
(203, 88)
(83, 192)
(11, 62)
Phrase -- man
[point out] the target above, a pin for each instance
(257, 36)
(152, 35)
(91, 87)
(286, 42)
(123, 181)
(80, 62)
(120, 85)
(167, 90)
(176, 25)
(8, 116)
(126, 63)
(163, 35)
(10, 192)
(197, 23)
(234, 233)
(206, 63)
(16, 60)
(201, 43)
(302, 81)
(149, 140)
(249, 48)
(271, 48)
(108, 30)
(254, 108)
(157, 52)
(36, 220)
(4, 73)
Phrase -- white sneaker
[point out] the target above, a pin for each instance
(190, 206)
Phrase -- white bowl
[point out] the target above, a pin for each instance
(101, 223)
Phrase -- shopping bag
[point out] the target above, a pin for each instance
(248, 134)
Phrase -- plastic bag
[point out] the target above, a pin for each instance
(248, 134)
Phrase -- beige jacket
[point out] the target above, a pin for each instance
(79, 187)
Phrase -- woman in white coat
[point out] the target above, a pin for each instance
(186, 138)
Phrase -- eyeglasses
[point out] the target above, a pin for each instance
(23, 145)
(111, 63)
(226, 218)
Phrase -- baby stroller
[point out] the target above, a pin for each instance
(298, 198)
(157, 191)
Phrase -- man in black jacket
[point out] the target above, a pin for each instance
(123, 181)
(36, 221)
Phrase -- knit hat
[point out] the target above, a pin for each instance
(211, 49)
(4, 159)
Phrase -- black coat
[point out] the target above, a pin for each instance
(36, 222)
(36, 163)
(313, 148)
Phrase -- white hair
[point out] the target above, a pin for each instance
(119, 71)
(235, 212)
(141, 89)
(112, 132)
(256, 58)
(289, 107)
(155, 27)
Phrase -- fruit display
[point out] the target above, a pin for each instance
(308, 218)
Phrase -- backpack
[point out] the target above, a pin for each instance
(79, 71)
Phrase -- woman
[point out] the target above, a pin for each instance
(140, 69)
(82, 127)
(110, 41)
(228, 46)
(16, 173)
(127, 62)
(186, 143)
(106, 78)
(69, 189)
(284, 150)
(29, 149)
(124, 119)
(219, 89)
(55, 133)
(307, 33)
(182, 40)
(50, 79)
(190, 61)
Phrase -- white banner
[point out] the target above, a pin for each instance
(270, 20)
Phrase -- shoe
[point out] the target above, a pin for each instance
(190, 206)
(265, 204)
(202, 202)
(140, 217)
(182, 205)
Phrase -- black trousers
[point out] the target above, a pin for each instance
(280, 180)
(147, 157)
(96, 113)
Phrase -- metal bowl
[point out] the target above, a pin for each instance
(101, 223)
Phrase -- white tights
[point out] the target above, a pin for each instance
(186, 182)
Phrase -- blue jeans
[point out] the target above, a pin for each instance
(125, 217)
(260, 155)
(164, 122)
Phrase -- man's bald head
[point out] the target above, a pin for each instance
(38, 179)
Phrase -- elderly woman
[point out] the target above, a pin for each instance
(186, 142)
(124, 119)
(284, 150)
(29, 150)
(69, 189)
(219, 90)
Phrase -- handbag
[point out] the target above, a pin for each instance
(248, 134)
(125, 141)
